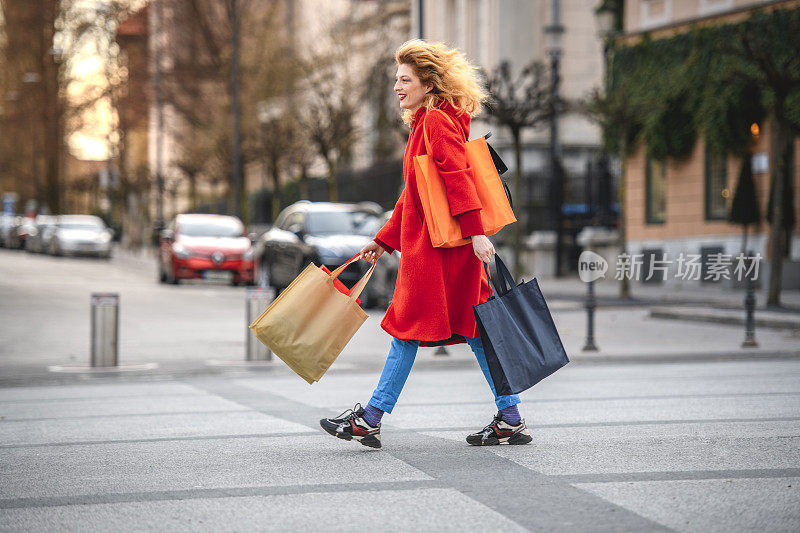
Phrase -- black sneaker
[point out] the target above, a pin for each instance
(351, 425)
(500, 431)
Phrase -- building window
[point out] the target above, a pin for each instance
(716, 186)
(655, 13)
(709, 7)
(654, 189)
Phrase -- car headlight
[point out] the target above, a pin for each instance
(181, 251)
(105, 237)
(249, 254)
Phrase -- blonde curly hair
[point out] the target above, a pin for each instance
(454, 80)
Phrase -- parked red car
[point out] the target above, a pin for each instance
(212, 247)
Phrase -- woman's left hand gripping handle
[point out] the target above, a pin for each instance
(483, 248)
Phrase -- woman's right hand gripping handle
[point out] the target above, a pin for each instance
(372, 251)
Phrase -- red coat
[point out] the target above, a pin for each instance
(436, 287)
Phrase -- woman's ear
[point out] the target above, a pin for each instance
(428, 88)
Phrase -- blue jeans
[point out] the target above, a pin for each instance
(398, 366)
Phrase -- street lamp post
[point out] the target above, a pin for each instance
(421, 17)
(236, 112)
(606, 15)
(39, 133)
(57, 53)
(554, 32)
(159, 43)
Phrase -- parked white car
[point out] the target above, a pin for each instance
(8, 228)
(81, 235)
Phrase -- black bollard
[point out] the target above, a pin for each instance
(750, 310)
(591, 303)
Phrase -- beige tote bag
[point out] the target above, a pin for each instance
(310, 322)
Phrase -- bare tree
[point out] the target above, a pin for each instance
(330, 125)
(352, 73)
(517, 103)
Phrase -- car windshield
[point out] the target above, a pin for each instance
(82, 225)
(211, 228)
(352, 222)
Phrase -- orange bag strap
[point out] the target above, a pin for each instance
(425, 131)
(355, 292)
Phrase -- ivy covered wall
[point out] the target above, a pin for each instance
(715, 81)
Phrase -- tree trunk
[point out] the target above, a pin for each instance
(624, 284)
(517, 236)
(333, 189)
(779, 143)
(50, 82)
(192, 191)
(304, 182)
(276, 191)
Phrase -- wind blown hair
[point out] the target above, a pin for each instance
(454, 80)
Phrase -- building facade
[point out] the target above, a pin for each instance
(681, 207)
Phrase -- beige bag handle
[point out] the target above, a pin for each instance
(355, 292)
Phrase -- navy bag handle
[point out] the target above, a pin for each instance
(506, 280)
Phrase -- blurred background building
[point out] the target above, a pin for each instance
(682, 183)
(647, 126)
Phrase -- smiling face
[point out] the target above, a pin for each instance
(409, 88)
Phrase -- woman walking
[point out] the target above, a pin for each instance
(439, 92)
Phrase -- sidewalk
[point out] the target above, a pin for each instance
(607, 292)
(710, 304)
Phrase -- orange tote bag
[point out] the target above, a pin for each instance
(443, 228)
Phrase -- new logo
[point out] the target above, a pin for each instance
(591, 266)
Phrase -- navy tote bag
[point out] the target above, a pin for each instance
(520, 340)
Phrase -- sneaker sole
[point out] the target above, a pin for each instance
(521, 437)
(370, 440)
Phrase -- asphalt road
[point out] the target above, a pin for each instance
(688, 447)
(643, 446)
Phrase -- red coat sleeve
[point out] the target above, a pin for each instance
(389, 235)
(470, 223)
(450, 156)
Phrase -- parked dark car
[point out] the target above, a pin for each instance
(385, 276)
(322, 233)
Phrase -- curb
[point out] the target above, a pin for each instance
(663, 300)
(697, 357)
(771, 322)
